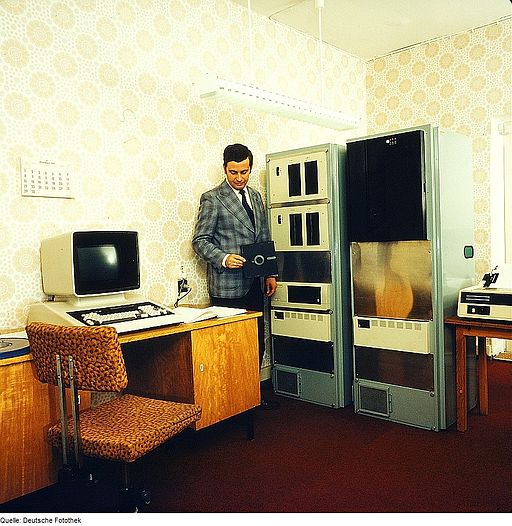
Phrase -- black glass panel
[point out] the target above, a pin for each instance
(294, 188)
(395, 367)
(304, 294)
(304, 267)
(296, 239)
(311, 177)
(306, 354)
(386, 178)
(313, 228)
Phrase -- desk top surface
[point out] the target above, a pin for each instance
(156, 332)
(481, 323)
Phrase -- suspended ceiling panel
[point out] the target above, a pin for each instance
(372, 28)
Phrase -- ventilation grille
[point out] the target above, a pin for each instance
(394, 324)
(373, 401)
(300, 324)
(397, 335)
(286, 382)
(303, 316)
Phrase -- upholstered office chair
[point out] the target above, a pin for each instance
(122, 429)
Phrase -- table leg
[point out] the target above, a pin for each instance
(250, 424)
(483, 388)
(461, 385)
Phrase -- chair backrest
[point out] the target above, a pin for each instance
(96, 352)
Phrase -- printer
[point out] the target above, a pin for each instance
(491, 299)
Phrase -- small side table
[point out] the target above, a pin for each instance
(480, 329)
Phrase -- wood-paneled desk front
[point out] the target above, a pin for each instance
(480, 329)
(212, 363)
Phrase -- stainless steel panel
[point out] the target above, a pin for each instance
(392, 279)
(310, 386)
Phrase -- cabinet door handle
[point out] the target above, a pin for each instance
(201, 367)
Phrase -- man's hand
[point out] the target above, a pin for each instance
(270, 285)
(234, 261)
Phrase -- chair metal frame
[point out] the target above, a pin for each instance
(48, 345)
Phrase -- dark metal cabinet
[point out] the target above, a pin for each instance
(386, 188)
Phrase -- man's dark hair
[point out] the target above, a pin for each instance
(237, 153)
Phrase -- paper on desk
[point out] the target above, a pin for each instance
(19, 334)
(191, 314)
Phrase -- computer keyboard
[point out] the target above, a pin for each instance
(128, 317)
(145, 323)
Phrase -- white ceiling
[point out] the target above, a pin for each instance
(372, 28)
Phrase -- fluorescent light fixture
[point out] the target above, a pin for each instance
(263, 100)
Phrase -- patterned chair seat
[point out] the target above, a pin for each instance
(128, 427)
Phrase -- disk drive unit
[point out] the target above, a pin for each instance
(310, 317)
(485, 303)
(301, 227)
(410, 228)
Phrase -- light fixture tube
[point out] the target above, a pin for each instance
(263, 100)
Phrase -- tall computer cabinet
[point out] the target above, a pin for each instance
(410, 228)
(310, 311)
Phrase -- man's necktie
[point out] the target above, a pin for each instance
(248, 209)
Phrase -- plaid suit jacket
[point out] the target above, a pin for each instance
(222, 226)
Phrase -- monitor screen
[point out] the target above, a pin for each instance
(89, 263)
(99, 262)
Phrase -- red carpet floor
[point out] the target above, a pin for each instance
(308, 458)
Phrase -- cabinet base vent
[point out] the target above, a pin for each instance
(374, 401)
(286, 382)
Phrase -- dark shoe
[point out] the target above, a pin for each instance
(269, 405)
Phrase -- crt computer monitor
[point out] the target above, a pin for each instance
(90, 263)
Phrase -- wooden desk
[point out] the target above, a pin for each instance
(480, 329)
(213, 363)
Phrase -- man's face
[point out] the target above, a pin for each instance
(238, 173)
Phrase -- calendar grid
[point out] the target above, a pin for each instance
(46, 179)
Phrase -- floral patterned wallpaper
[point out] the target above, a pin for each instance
(110, 87)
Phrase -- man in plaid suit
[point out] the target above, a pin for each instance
(230, 215)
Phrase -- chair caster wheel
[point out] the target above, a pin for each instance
(145, 496)
(133, 500)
